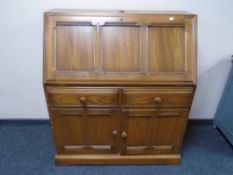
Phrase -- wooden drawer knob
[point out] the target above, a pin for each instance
(123, 135)
(157, 100)
(114, 133)
(83, 100)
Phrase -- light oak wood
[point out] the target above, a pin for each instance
(119, 84)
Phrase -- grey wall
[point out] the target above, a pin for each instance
(21, 33)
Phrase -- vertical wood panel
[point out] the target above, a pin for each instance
(100, 129)
(138, 128)
(165, 131)
(180, 129)
(72, 130)
(191, 48)
(166, 49)
(121, 48)
(97, 60)
(144, 49)
(74, 48)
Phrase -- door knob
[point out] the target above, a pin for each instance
(83, 100)
(123, 135)
(157, 100)
(114, 133)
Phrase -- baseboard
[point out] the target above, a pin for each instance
(24, 121)
(200, 122)
(46, 121)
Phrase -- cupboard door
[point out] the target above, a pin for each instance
(152, 131)
(86, 131)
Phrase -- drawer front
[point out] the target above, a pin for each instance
(157, 97)
(83, 97)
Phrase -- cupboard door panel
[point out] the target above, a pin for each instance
(166, 49)
(148, 131)
(164, 131)
(100, 129)
(120, 48)
(71, 128)
(136, 135)
(74, 48)
(86, 131)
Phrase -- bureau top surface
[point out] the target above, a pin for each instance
(71, 12)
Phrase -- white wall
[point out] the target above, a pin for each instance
(21, 33)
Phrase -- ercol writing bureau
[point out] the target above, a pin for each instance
(119, 84)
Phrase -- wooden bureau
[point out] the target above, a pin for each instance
(119, 84)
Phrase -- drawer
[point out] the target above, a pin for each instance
(157, 97)
(80, 97)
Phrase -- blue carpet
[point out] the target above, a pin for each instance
(28, 149)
